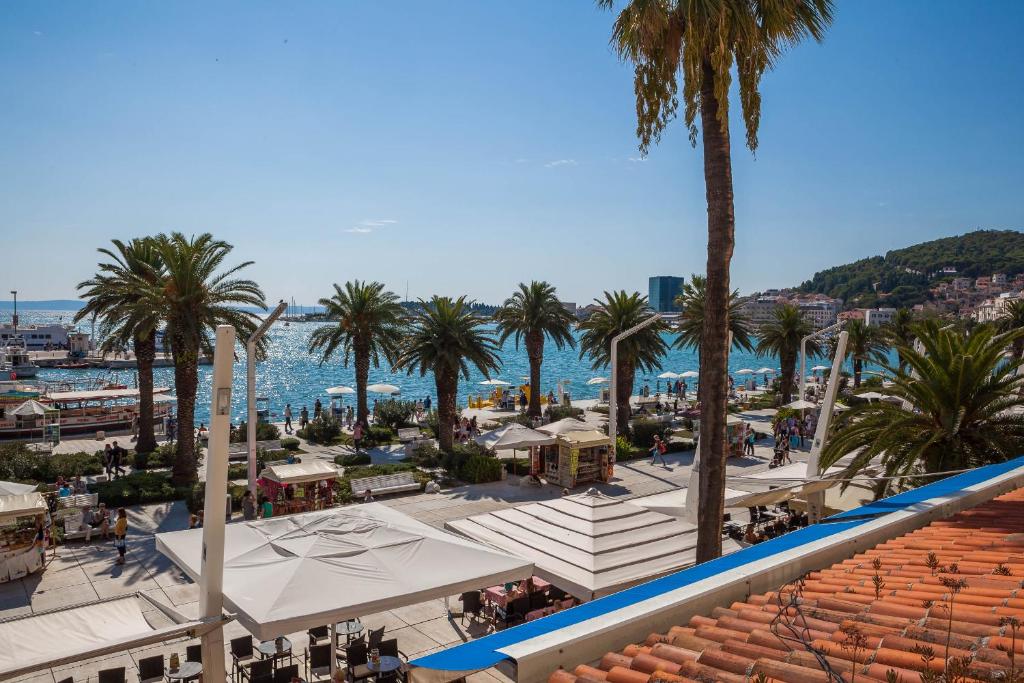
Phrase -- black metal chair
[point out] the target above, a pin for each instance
(318, 660)
(242, 652)
(538, 600)
(151, 669)
(194, 653)
(284, 674)
(373, 637)
(516, 611)
(471, 604)
(69, 679)
(316, 633)
(257, 669)
(115, 675)
(356, 659)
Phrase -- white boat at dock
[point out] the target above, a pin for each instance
(15, 362)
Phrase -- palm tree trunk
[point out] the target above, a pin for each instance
(1018, 348)
(626, 375)
(145, 353)
(787, 363)
(535, 352)
(714, 355)
(362, 354)
(186, 383)
(858, 367)
(446, 389)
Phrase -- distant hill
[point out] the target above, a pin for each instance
(47, 305)
(903, 276)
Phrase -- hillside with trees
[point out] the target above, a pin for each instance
(902, 277)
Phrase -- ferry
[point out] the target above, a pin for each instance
(15, 362)
(77, 412)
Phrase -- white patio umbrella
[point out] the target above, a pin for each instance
(383, 389)
(668, 375)
(597, 380)
(513, 436)
(765, 371)
(745, 371)
(495, 383)
(819, 368)
(340, 390)
(800, 404)
(564, 426)
(872, 395)
(689, 374)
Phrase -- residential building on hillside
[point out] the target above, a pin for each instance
(856, 314)
(962, 284)
(876, 317)
(662, 291)
(760, 309)
(1000, 279)
(993, 309)
(820, 312)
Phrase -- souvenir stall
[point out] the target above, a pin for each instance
(299, 487)
(19, 516)
(577, 458)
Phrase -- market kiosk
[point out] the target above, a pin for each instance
(19, 516)
(577, 458)
(299, 487)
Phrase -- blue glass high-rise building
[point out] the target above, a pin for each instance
(662, 291)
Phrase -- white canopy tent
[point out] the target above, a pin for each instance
(35, 642)
(513, 436)
(10, 488)
(801, 404)
(300, 472)
(587, 544)
(291, 573)
(564, 426)
(31, 408)
(21, 505)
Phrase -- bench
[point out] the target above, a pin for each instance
(240, 451)
(384, 484)
(406, 434)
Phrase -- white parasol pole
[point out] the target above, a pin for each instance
(816, 500)
(211, 579)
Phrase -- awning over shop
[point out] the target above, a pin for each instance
(300, 472)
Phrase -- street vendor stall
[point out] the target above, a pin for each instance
(577, 458)
(20, 515)
(299, 487)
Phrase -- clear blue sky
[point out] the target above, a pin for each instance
(464, 146)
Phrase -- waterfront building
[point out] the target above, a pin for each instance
(37, 337)
(820, 312)
(662, 291)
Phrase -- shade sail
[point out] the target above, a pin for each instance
(300, 472)
(10, 488)
(588, 544)
(34, 642)
(291, 573)
(568, 424)
(21, 505)
(514, 435)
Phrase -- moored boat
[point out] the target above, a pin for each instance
(77, 412)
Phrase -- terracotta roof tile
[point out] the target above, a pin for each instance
(837, 619)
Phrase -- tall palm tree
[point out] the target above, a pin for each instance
(699, 41)
(369, 326)
(899, 331)
(865, 344)
(1013, 319)
(193, 298)
(531, 314)
(691, 317)
(964, 408)
(446, 337)
(781, 337)
(112, 298)
(644, 350)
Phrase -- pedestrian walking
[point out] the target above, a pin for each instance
(426, 404)
(658, 450)
(317, 409)
(349, 416)
(357, 435)
(287, 418)
(108, 458)
(117, 455)
(135, 428)
(303, 417)
(248, 506)
(120, 534)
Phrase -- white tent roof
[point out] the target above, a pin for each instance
(30, 408)
(21, 505)
(568, 424)
(587, 544)
(34, 642)
(800, 404)
(100, 394)
(290, 573)
(10, 488)
(513, 435)
(297, 473)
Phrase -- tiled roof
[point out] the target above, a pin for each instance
(952, 586)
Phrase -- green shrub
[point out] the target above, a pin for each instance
(290, 443)
(162, 457)
(353, 459)
(426, 454)
(377, 435)
(871, 381)
(140, 487)
(479, 469)
(393, 413)
(432, 423)
(265, 431)
(322, 430)
(560, 412)
(19, 463)
(624, 449)
(644, 431)
(518, 418)
(681, 445)
(600, 409)
(195, 497)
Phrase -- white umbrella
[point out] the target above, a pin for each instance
(800, 404)
(495, 383)
(668, 375)
(819, 368)
(689, 374)
(765, 371)
(745, 371)
(383, 389)
(872, 395)
(598, 380)
(564, 426)
(840, 407)
(339, 390)
(513, 436)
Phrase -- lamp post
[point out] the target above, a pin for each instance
(14, 318)
(613, 404)
(250, 388)
(803, 352)
(816, 500)
(211, 579)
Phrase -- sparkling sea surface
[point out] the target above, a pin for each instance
(291, 375)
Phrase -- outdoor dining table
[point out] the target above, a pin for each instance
(269, 649)
(349, 629)
(184, 672)
(384, 664)
(496, 595)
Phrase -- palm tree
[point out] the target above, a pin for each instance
(193, 298)
(781, 337)
(865, 344)
(644, 350)
(446, 337)
(531, 314)
(1013, 319)
(691, 317)
(899, 331)
(112, 298)
(369, 321)
(700, 41)
(963, 408)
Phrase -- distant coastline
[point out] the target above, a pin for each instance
(43, 305)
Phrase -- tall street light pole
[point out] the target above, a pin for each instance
(250, 388)
(803, 353)
(613, 427)
(15, 317)
(816, 500)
